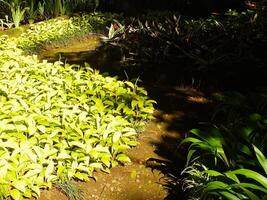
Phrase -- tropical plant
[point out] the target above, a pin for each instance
(236, 146)
(17, 11)
(41, 9)
(62, 7)
(32, 13)
(233, 184)
(115, 30)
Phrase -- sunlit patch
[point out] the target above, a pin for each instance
(197, 99)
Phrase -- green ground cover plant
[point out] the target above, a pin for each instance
(62, 29)
(58, 121)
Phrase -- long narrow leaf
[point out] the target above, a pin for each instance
(252, 175)
(261, 158)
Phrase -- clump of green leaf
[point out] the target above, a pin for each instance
(232, 151)
(61, 29)
(58, 123)
(43, 32)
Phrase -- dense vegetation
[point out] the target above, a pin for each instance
(226, 158)
(210, 51)
(61, 121)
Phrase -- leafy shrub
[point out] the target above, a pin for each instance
(60, 122)
(230, 154)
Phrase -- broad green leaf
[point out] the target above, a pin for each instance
(128, 134)
(51, 178)
(134, 103)
(213, 173)
(250, 186)
(27, 193)
(250, 194)
(116, 136)
(63, 155)
(41, 128)
(77, 144)
(31, 155)
(31, 126)
(114, 163)
(189, 156)
(49, 170)
(190, 140)
(123, 158)
(131, 143)
(252, 175)
(16, 194)
(19, 185)
(130, 84)
(78, 130)
(9, 144)
(96, 165)
(21, 128)
(100, 148)
(83, 168)
(32, 172)
(229, 195)
(106, 160)
(216, 185)
(261, 158)
(81, 176)
(232, 176)
(39, 151)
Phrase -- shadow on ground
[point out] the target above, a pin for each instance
(179, 110)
